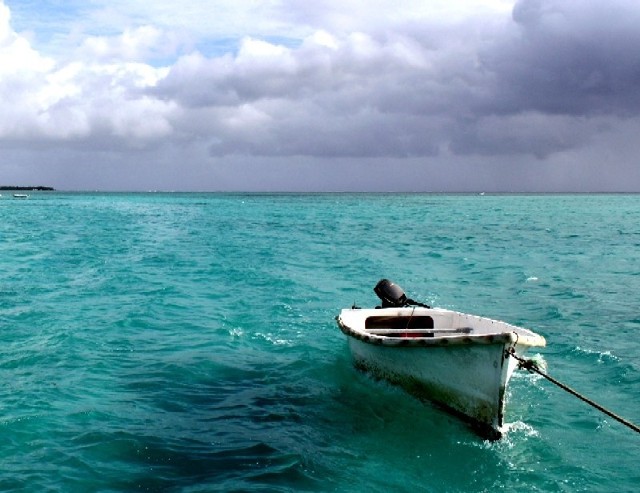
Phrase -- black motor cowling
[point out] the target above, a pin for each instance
(392, 295)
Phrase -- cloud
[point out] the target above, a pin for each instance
(140, 44)
(324, 98)
(44, 101)
(569, 57)
(537, 80)
(505, 87)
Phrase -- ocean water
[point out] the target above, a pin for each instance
(187, 342)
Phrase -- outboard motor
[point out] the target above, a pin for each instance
(393, 296)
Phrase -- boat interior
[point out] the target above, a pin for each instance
(408, 323)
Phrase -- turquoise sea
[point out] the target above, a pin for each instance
(187, 342)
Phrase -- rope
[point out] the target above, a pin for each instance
(410, 318)
(532, 366)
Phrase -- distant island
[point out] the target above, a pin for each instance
(42, 189)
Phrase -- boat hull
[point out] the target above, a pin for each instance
(459, 361)
(469, 380)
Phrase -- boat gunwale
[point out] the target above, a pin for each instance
(433, 338)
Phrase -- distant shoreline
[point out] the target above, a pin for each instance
(41, 189)
(494, 193)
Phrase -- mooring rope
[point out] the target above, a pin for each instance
(531, 366)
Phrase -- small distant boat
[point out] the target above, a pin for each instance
(20, 196)
(461, 362)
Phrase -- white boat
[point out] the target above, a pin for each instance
(461, 362)
(20, 196)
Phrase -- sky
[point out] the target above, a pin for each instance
(329, 95)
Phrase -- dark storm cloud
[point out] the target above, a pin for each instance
(568, 57)
(523, 85)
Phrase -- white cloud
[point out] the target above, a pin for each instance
(16, 54)
(134, 44)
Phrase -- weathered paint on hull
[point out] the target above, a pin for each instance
(468, 380)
